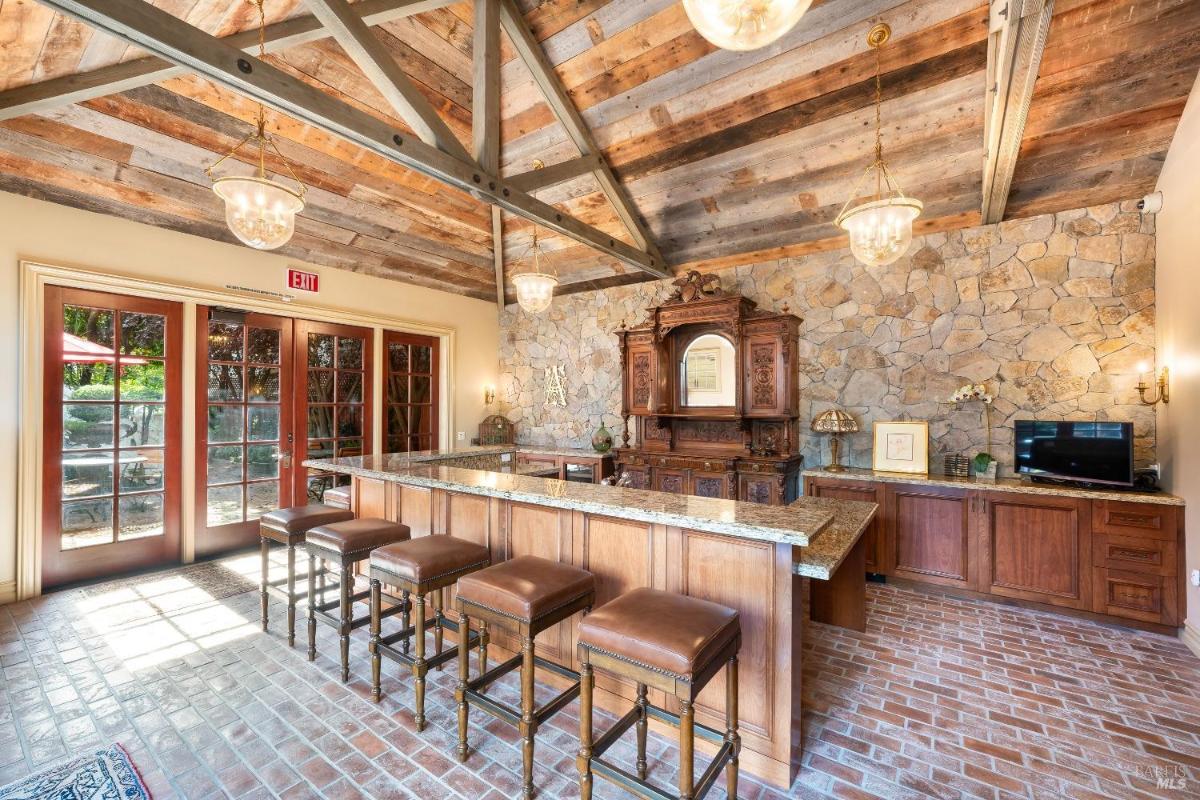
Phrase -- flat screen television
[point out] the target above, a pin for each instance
(1092, 453)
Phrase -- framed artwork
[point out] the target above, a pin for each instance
(901, 447)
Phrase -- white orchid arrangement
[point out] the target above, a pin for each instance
(969, 393)
(972, 391)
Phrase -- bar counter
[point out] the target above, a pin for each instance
(765, 561)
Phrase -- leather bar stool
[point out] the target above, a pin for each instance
(672, 643)
(418, 567)
(337, 496)
(344, 544)
(288, 526)
(528, 595)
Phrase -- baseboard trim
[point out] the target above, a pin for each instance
(1190, 636)
(8, 592)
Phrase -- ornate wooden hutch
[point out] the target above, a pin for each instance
(710, 383)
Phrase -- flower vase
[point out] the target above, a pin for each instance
(602, 439)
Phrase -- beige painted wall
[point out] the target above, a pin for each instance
(60, 236)
(1179, 330)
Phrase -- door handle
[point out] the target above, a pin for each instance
(284, 459)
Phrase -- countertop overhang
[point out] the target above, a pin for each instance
(799, 524)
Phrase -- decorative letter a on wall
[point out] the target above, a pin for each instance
(556, 386)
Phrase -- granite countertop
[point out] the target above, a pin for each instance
(826, 553)
(794, 525)
(422, 456)
(999, 485)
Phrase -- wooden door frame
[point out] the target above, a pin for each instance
(36, 275)
(287, 373)
(51, 468)
(401, 337)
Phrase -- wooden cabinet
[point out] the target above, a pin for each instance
(928, 534)
(1064, 550)
(585, 468)
(863, 493)
(1035, 548)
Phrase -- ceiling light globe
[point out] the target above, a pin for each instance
(535, 290)
(744, 24)
(259, 211)
(880, 231)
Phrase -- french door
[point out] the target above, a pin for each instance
(272, 392)
(112, 424)
(411, 394)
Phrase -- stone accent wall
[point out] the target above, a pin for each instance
(1053, 313)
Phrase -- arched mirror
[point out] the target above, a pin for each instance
(707, 373)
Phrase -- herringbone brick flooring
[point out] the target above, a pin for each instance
(939, 698)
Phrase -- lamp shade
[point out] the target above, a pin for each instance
(834, 421)
(880, 231)
(535, 290)
(744, 24)
(259, 211)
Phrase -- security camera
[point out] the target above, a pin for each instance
(1151, 203)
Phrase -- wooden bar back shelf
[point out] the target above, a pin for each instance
(1103, 554)
(745, 449)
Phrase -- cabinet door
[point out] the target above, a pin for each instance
(765, 390)
(1036, 548)
(762, 489)
(705, 484)
(639, 477)
(640, 374)
(927, 537)
(674, 481)
(866, 493)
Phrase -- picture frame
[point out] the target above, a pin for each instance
(901, 447)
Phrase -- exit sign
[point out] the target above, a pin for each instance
(303, 281)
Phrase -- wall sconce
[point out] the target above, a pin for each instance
(489, 394)
(1163, 384)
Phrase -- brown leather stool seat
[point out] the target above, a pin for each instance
(288, 527)
(337, 496)
(345, 543)
(528, 594)
(676, 644)
(419, 567)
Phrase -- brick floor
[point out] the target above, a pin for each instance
(939, 698)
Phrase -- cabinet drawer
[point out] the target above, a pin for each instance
(1134, 519)
(1135, 595)
(1134, 554)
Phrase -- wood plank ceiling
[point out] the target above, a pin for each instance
(731, 158)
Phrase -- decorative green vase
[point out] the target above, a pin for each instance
(602, 439)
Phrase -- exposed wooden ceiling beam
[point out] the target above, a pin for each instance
(146, 26)
(369, 53)
(530, 51)
(485, 117)
(556, 173)
(1016, 39)
(35, 98)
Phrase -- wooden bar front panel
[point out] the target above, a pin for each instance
(754, 578)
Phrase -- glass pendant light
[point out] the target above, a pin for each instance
(744, 24)
(260, 212)
(880, 230)
(535, 288)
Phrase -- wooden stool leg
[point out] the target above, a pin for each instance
(419, 667)
(265, 552)
(687, 731)
(345, 613)
(406, 619)
(437, 624)
(483, 645)
(460, 694)
(312, 609)
(291, 592)
(731, 724)
(528, 725)
(641, 731)
(376, 626)
(584, 761)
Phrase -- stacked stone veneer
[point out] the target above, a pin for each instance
(1053, 313)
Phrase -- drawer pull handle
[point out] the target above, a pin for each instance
(1133, 520)
(1129, 554)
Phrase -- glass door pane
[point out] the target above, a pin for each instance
(411, 396)
(243, 441)
(111, 415)
(335, 396)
